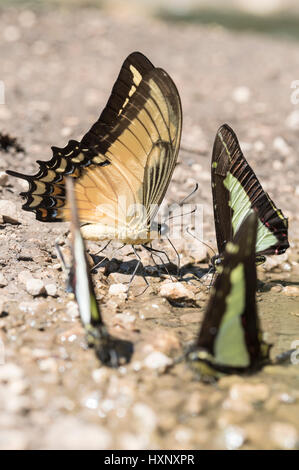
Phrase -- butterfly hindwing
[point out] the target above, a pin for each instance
(230, 340)
(236, 191)
(80, 278)
(111, 351)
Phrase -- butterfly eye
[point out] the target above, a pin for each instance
(163, 229)
(216, 260)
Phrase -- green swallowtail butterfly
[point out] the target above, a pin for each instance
(230, 339)
(111, 351)
(236, 191)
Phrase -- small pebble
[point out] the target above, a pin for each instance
(281, 146)
(124, 320)
(118, 278)
(157, 360)
(196, 403)
(35, 287)
(277, 288)
(284, 435)
(241, 94)
(145, 417)
(3, 281)
(292, 121)
(118, 289)
(51, 290)
(10, 372)
(291, 291)
(165, 341)
(234, 437)
(8, 212)
(3, 178)
(176, 291)
(24, 276)
(250, 393)
(48, 365)
(72, 309)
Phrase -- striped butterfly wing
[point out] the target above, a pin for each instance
(230, 338)
(127, 157)
(80, 278)
(111, 351)
(236, 191)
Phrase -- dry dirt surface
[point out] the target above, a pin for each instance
(58, 68)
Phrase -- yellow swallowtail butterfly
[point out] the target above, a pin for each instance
(122, 166)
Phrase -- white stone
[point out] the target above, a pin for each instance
(281, 146)
(234, 437)
(284, 435)
(8, 212)
(249, 392)
(10, 372)
(176, 290)
(291, 291)
(35, 287)
(157, 360)
(3, 178)
(145, 416)
(117, 289)
(72, 309)
(292, 120)
(241, 94)
(51, 290)
(3, 281)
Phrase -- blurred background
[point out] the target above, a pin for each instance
(267, 16)
(236, 62)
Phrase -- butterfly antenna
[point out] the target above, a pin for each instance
(189, 195)
(182, 202)
(180, 215)
(191, 150)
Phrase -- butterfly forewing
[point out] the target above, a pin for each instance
(126, 158)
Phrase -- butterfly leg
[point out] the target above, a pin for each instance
(135, 271)
(66, 269)
(96, 266)
(177, 255)
(152, 251)
(103, 249)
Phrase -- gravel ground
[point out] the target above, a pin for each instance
(58, 68)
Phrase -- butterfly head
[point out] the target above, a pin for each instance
(216, 262)
(162, 228)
